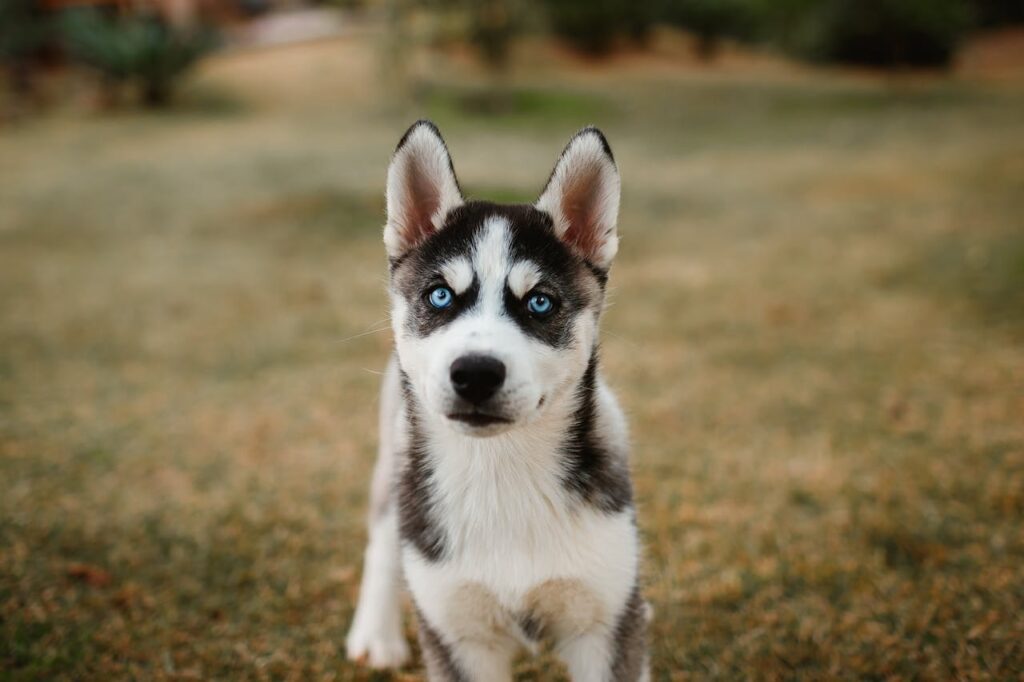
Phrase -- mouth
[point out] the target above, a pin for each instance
(478, 418)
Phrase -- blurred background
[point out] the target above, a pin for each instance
(816, 320)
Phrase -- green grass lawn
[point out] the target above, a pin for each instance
(816, 327)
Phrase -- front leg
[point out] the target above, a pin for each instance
(465, 633)
(616, 654)
(376, 636)
(464, 659)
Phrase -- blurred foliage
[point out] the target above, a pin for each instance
(872, 32)
(490, 26)
(141, 51)
(24, 30)
(712, 20)
(998, 12)
(592, 26)
(888, 32)
(882, 33)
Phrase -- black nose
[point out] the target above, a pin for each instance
(477, 377)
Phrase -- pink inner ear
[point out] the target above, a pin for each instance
(579, 201)
(421, 204)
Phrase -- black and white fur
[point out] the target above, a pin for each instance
(508, 513)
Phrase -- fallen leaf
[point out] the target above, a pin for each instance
(91, 575)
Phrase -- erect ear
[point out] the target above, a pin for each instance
(422, 188)
(582, 197)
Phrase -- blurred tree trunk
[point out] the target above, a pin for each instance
(707, 46)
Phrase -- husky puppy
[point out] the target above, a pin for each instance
(502, 491)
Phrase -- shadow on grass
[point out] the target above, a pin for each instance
(37, 650)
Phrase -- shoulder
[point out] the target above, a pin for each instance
(611, 422)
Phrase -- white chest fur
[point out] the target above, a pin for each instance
(519, 546)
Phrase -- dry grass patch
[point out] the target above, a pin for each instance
(816, 328)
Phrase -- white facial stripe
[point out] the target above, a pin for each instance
(458, 273)
(523, 277)
(490, 257)
(490, 253)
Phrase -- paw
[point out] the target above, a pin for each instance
(372, 647)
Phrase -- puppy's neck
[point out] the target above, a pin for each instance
(498, 491)
(459, 491)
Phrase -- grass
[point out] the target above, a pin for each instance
(816, 328)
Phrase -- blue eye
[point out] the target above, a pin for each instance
(539, 304)
(441, 297)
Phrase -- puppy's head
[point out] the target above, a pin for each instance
(495, 307)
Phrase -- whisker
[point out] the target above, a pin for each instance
(629, 342)
(366, 333)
